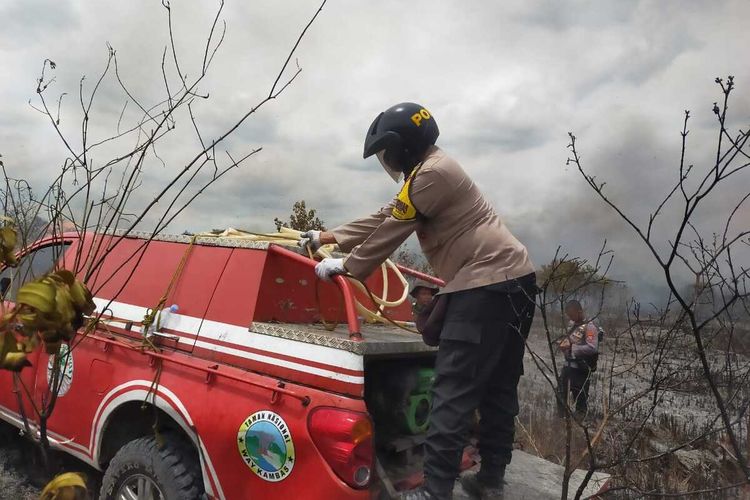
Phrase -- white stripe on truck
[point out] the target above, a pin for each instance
(240, 337)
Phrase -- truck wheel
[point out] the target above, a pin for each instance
(141, 470)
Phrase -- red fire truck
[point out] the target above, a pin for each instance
(241, 388)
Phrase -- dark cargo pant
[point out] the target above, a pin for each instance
(478, 365)
(574, 381)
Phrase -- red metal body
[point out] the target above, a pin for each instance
(344, 286)
(210, 371)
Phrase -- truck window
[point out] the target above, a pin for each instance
(31, 266)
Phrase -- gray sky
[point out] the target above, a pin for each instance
(506, 81)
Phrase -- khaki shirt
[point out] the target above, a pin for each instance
(464, 240)
(584, 341)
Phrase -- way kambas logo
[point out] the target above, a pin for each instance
(266, 445)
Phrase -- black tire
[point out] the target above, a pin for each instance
(173, 468)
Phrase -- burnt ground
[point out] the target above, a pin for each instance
(15, 475)
(22, 475)
(683, 411)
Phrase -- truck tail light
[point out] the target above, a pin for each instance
(344, 438)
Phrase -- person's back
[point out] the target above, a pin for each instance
(464, 239)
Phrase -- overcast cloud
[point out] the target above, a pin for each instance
(506, 81)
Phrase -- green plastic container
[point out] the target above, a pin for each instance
(416, 412)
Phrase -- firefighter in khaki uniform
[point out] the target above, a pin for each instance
(490, 281)
(581, 350)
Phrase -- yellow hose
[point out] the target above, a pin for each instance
(290, 237)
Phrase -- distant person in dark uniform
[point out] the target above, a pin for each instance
(422, 293)
(490, 283)
(581, 350)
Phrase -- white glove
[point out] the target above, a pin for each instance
(311, 238)
(328, 267)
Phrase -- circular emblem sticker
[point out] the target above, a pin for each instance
(65, 366)
(266, 445)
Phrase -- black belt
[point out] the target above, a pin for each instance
(526, 283)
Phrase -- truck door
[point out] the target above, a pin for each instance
(15, 389)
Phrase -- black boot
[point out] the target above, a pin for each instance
(484, 486)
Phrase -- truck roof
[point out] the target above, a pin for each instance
(200, 239)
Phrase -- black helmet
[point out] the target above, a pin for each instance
(400, 136)
(423, 284)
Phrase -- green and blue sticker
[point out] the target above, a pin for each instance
(266, 445)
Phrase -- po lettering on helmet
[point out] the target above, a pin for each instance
(422, 115)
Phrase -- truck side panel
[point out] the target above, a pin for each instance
(209, 372)
(213, 408)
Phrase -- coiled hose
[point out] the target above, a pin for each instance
(290, 237)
